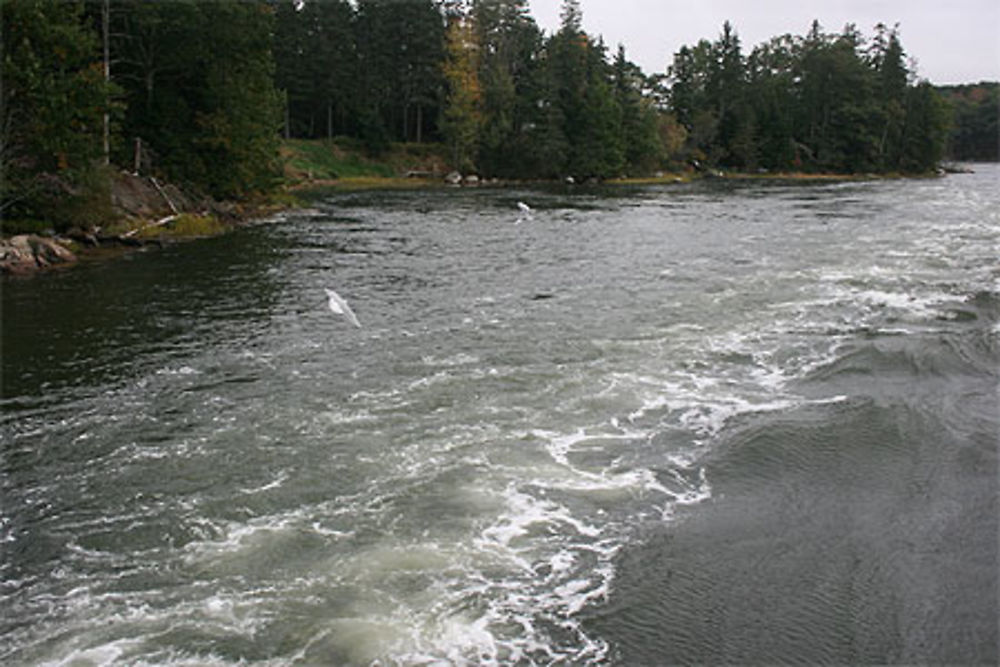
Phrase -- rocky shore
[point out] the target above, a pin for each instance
(145, 212)
(27, 253)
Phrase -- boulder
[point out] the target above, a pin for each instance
(27, 253)
(453, 178)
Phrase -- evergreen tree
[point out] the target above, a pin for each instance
(974, 117)
(330, 61)
(199, 89)
(771, 85)
(54, 96)
(925, 133)
(509, 47)
(689, 100)
(887, 59)
(639, 133)
(585, 99)
(401, 45)
(725, 91)
(291, 58)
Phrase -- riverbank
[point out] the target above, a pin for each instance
(146, 212)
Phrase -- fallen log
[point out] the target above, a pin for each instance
(158, 223)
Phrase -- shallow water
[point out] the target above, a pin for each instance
(701, 423)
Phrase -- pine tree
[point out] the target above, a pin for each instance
(771, 79)
(54, 98)
(925, 132)
(886, 57)
(639, 133)
(510, 45)
(199, 89)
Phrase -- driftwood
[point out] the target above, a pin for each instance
(173, 209)
(158, 223)
(126, 240)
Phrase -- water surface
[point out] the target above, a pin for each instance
(698, 423)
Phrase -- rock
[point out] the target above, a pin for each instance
(50, 251)
(453, 178)
(471, 179)
(25, 253)
(570, 180)
(84, 237)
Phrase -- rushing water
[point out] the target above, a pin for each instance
(695, 423)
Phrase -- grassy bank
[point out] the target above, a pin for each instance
(343, 163)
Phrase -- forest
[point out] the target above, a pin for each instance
(202, 93)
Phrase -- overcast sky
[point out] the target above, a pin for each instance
(953, 41)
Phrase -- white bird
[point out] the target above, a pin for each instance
(339, 306)
(525, 213)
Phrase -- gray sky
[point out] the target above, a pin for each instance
(953, 41)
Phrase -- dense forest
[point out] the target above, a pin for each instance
(975, 131)
(202, 92)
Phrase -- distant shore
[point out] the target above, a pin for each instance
(149, 213)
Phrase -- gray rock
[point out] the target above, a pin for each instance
(28, 253)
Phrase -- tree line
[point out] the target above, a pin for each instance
(975, 128)
(202, 92)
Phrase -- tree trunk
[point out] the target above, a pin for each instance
(105, 33)
(288, 117)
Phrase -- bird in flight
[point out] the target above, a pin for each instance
(525, 212)
(340, 307)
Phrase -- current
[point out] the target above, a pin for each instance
(712, 423)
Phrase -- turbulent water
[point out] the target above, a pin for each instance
(697, 423)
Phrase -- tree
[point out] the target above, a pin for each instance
(689, 99)
(401, 45)
(639, 132)
(199, 89)
(330, 61)
(462, 116)
(974, 116)
(925, 129)
(509, 50)
(725, 90)
(771, 84)
(888, 60)
(54, 98)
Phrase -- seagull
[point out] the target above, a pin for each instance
(525, 212)
(339, 306)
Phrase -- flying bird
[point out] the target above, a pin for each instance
(525, 212)
(340, 307)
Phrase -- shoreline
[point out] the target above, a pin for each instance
(29, 254)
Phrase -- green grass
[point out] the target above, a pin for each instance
(326, 160)
(185, 226)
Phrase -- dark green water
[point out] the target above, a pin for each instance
(717, 423)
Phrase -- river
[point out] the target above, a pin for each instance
(718, 422)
